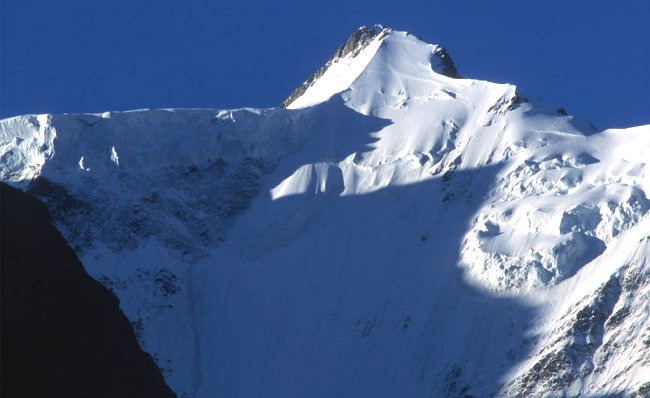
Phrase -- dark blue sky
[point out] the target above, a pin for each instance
(591, 57)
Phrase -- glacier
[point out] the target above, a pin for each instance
(391, 230)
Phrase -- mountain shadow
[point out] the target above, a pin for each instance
(63, 334)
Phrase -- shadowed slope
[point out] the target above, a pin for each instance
(62, 332)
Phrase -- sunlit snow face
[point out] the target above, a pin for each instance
(554, 210)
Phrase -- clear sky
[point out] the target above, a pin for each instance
(590, 57)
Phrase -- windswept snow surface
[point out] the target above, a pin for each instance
(396, 233)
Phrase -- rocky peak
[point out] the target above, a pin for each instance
(357, 41)
(346, 56)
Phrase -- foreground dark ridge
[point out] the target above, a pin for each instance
(63, 334)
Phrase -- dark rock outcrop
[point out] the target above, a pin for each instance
(443, 64)
(63, 334)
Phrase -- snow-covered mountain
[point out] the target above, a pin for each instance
(391, 231)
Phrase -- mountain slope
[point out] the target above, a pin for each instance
(394, 230)
(63, 334)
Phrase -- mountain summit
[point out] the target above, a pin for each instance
(358, 54)
(393, 230)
